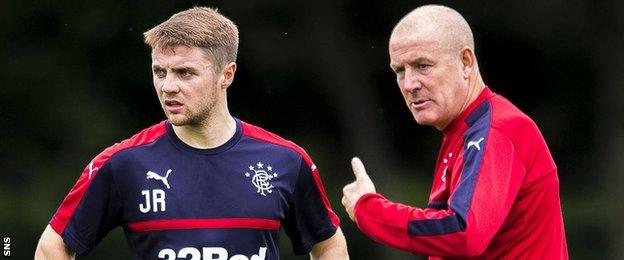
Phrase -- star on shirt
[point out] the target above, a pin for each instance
(250, 168)
(260, 165)
(269, 168)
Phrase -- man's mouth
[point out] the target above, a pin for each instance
(173, 105)
(419, 103)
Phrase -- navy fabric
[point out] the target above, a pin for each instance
(203, 184)
(475, 140)
(85, 230)
(437, 205)
(433, 227)
(479, 126)
(306, 222)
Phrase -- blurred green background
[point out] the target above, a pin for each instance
(76, 78)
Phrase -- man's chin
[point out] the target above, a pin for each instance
(178, 120)
(424, 120)
(182, 120)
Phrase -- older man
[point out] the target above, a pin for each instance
(202, 184)
(495, 192)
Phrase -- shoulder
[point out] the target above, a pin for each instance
(511, 121)
(144, 137)
(510, 124)
(262, 135)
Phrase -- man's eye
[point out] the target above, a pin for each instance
(185, 73)
(423, 66)
(160, 74)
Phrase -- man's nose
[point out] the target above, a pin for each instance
(170, 84)
(411, 80)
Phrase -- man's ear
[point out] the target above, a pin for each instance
(227, 75)
(468, 61)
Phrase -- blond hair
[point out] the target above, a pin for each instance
(199, 27)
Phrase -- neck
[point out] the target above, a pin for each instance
(475, 85)
(212, 132)
(474, 89)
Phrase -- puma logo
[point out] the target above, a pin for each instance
(476, 144)
(91, 169)
(155, 176)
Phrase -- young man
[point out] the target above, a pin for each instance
(495, 193)
(202, 184)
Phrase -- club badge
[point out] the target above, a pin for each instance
(261, 177)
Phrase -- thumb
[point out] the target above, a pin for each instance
(358, 169)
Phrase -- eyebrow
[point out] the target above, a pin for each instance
(421, 60)
(176, 70)
(414, 61)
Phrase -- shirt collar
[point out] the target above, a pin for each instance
(459, 121)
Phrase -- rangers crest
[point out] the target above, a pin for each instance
(260, 178)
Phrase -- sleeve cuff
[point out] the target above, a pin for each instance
(70, 239)
(383, 221)
(358, 212)
(320, 237)
(72, 242)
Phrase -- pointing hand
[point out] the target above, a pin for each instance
(353, 191)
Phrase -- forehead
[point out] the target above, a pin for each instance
(404, 49)
(179, 55)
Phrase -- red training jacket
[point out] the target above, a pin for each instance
(495, 193)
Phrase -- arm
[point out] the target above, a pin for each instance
(334, 247)
(486, 190)
(51, 246)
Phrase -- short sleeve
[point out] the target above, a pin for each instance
(90, 210)
(309, 218)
